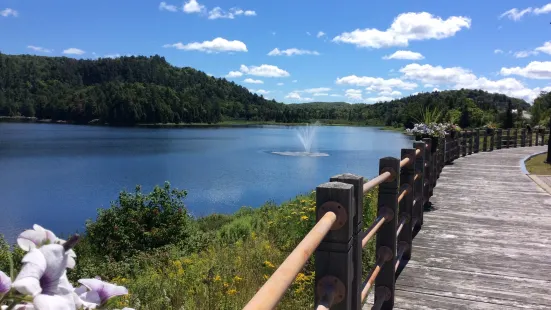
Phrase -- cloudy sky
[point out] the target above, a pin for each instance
(306, 50)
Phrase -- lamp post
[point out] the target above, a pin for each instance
(548, 160)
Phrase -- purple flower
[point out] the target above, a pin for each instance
(38, 237)
(5, 283)
(100, 292)
(43, 276)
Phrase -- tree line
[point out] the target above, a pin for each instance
(138, 90)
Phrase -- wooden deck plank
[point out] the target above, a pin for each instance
(486, 242)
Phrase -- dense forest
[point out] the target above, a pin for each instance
(138, 90)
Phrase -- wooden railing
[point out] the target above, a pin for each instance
(404, 188)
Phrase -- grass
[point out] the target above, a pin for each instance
(536, 165)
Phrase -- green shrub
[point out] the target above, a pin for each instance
(138, 222)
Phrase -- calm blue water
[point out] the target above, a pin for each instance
(58, 175)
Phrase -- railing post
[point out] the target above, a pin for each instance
(485, 141)
(418, 188)
(477, 141)
(523, 137)
(357, 224)
(530, 138)
(543, 138)
(333, 258)
(537, 137)
(407, 174)
(386, 236)
(427, 183)
(499, 139)
(516, 138)
(470, 143)
(508, 138)
(492, 142)
(464, 143)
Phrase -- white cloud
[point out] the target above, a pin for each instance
(498, 51)
(320, 34)
(296, 96)
(234, 74)
(163, 6)
(408, 55)
(294, 81)
(291, 52)
(264, 70)
(308, 33)
(378, 99)
(457, 78)
(435, 89)
(335, 95)
(73, 51)
(354, 94)
(546, 48)
(406, 27)
(524, 54)
(218, 12)
(534, 70)
(215, 46)
(515, 14)
(280, 84)
(429, 85)
(320, 94)
(112, 56)
(376, 83)
(543, 10)
(316, 90)
(253, 81)
(260, 91)
(39, 49)
(192, 6)
(9, 12)
(387, 93)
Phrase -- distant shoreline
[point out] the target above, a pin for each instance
(228, 124)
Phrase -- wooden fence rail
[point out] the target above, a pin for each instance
(405, 186)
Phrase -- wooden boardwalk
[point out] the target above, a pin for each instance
(485, 243)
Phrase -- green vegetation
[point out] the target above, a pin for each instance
(537, 165)
(170, 260)
(148, 90)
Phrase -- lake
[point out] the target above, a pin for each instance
(59, 175)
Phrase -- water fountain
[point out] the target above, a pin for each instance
(306, 136)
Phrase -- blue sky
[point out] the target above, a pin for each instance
(326, 50)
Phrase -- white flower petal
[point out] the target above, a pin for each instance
(53, 302)
(71, 263)
(31, 239)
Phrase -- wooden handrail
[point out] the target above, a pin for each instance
(405, 186)
(376, 181)
(271, 292)
(373, 230)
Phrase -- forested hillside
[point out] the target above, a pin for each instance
(133, 90)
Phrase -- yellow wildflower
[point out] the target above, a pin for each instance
(301, 277)
(226, 285)
(268, 264)
(217, 278)
(303, 218)
(266, 277)
(232, 292)
(237, 278)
